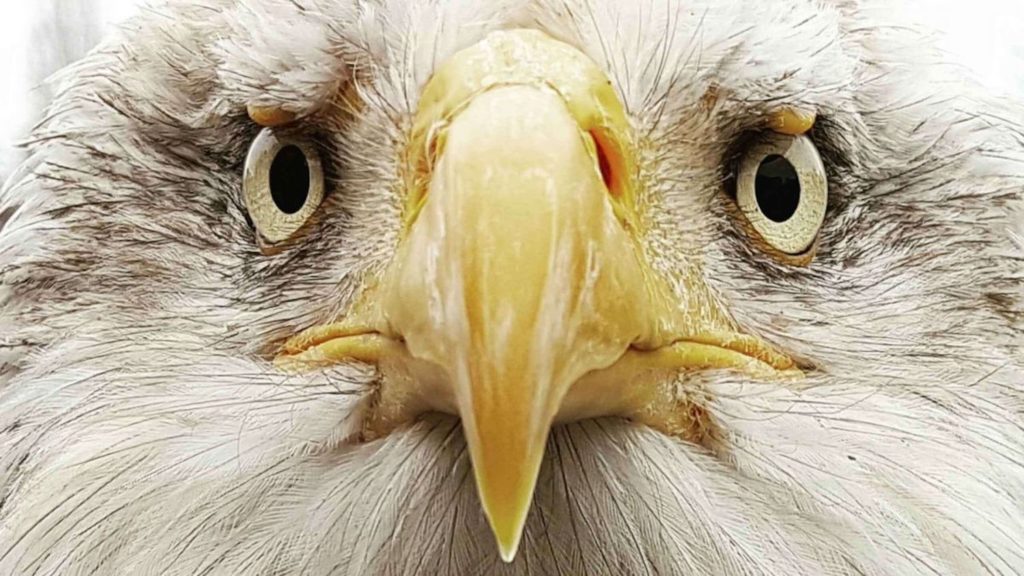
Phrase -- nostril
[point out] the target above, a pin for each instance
(605, 164)
(608, 161)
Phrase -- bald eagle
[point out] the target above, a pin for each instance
(515, 287)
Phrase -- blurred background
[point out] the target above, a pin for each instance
(38, 38)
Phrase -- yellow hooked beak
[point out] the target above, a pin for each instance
(520, 295)
(531, 280)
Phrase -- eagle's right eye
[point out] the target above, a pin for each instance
(283, 184)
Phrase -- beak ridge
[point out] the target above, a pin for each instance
(531, 282)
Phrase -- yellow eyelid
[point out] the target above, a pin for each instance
(269, 116)
(792, 121)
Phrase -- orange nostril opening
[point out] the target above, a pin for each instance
(609, 161)
(605, 164)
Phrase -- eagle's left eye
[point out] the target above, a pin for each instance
(283, 184)
(782, 190)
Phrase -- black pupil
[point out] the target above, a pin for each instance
(289, 179)
(777, 188)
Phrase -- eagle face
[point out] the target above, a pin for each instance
(532, 287)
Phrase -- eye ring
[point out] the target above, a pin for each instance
(283, 184)
(782, 191)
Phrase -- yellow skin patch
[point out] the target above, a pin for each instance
(792, 121)
(270, 117)
(519, 296)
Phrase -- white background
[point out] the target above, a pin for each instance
(987, 35)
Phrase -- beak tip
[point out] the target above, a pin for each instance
(507, 524)
(507, 516)
(508, 543)
(508, 555)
